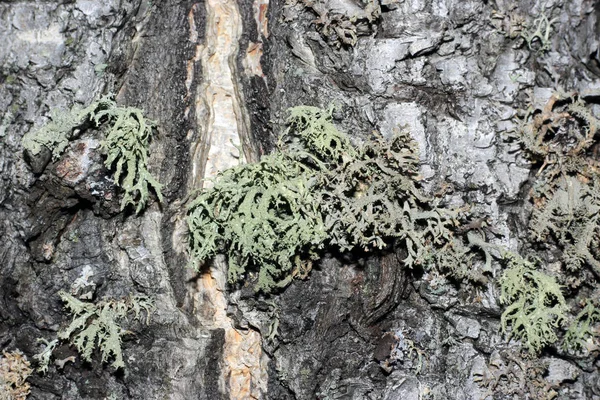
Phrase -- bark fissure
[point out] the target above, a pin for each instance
(224, 141)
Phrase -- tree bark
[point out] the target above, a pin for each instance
(218, 76)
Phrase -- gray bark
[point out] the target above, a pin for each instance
(438, 66)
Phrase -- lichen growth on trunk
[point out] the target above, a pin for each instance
(319, 191)
(126, 144)
(14, 371)
(97, 326)
(536, 305)
(561, 140)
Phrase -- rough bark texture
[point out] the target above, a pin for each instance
(208, 72)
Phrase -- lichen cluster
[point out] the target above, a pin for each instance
(98, 326)
(561, 141)
(126, 144)
(583, 332)
(340, 26)
(512, 374)
(266, 214)
(14, 371)
(536, 31)
(320, 191)
(536, 305)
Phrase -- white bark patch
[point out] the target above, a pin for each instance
(224, 143)
(50, 35)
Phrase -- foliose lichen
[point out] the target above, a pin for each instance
(582, 331)
(14, 371)
(127, 139)
(561, 140)
(535, 304)
(319, 191)
(342, 25)
(97, 326)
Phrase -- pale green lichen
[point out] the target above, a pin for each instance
(97, 326)
(318, 190)
(583, 327)
(127, 139)
(539, 31)
(126, 148)
(459, 259)
(43, 358)
(535, 304)
(559, 139)
(266, 215)
(63, 125)
(572, 216)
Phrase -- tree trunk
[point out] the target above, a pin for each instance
(217, 77)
